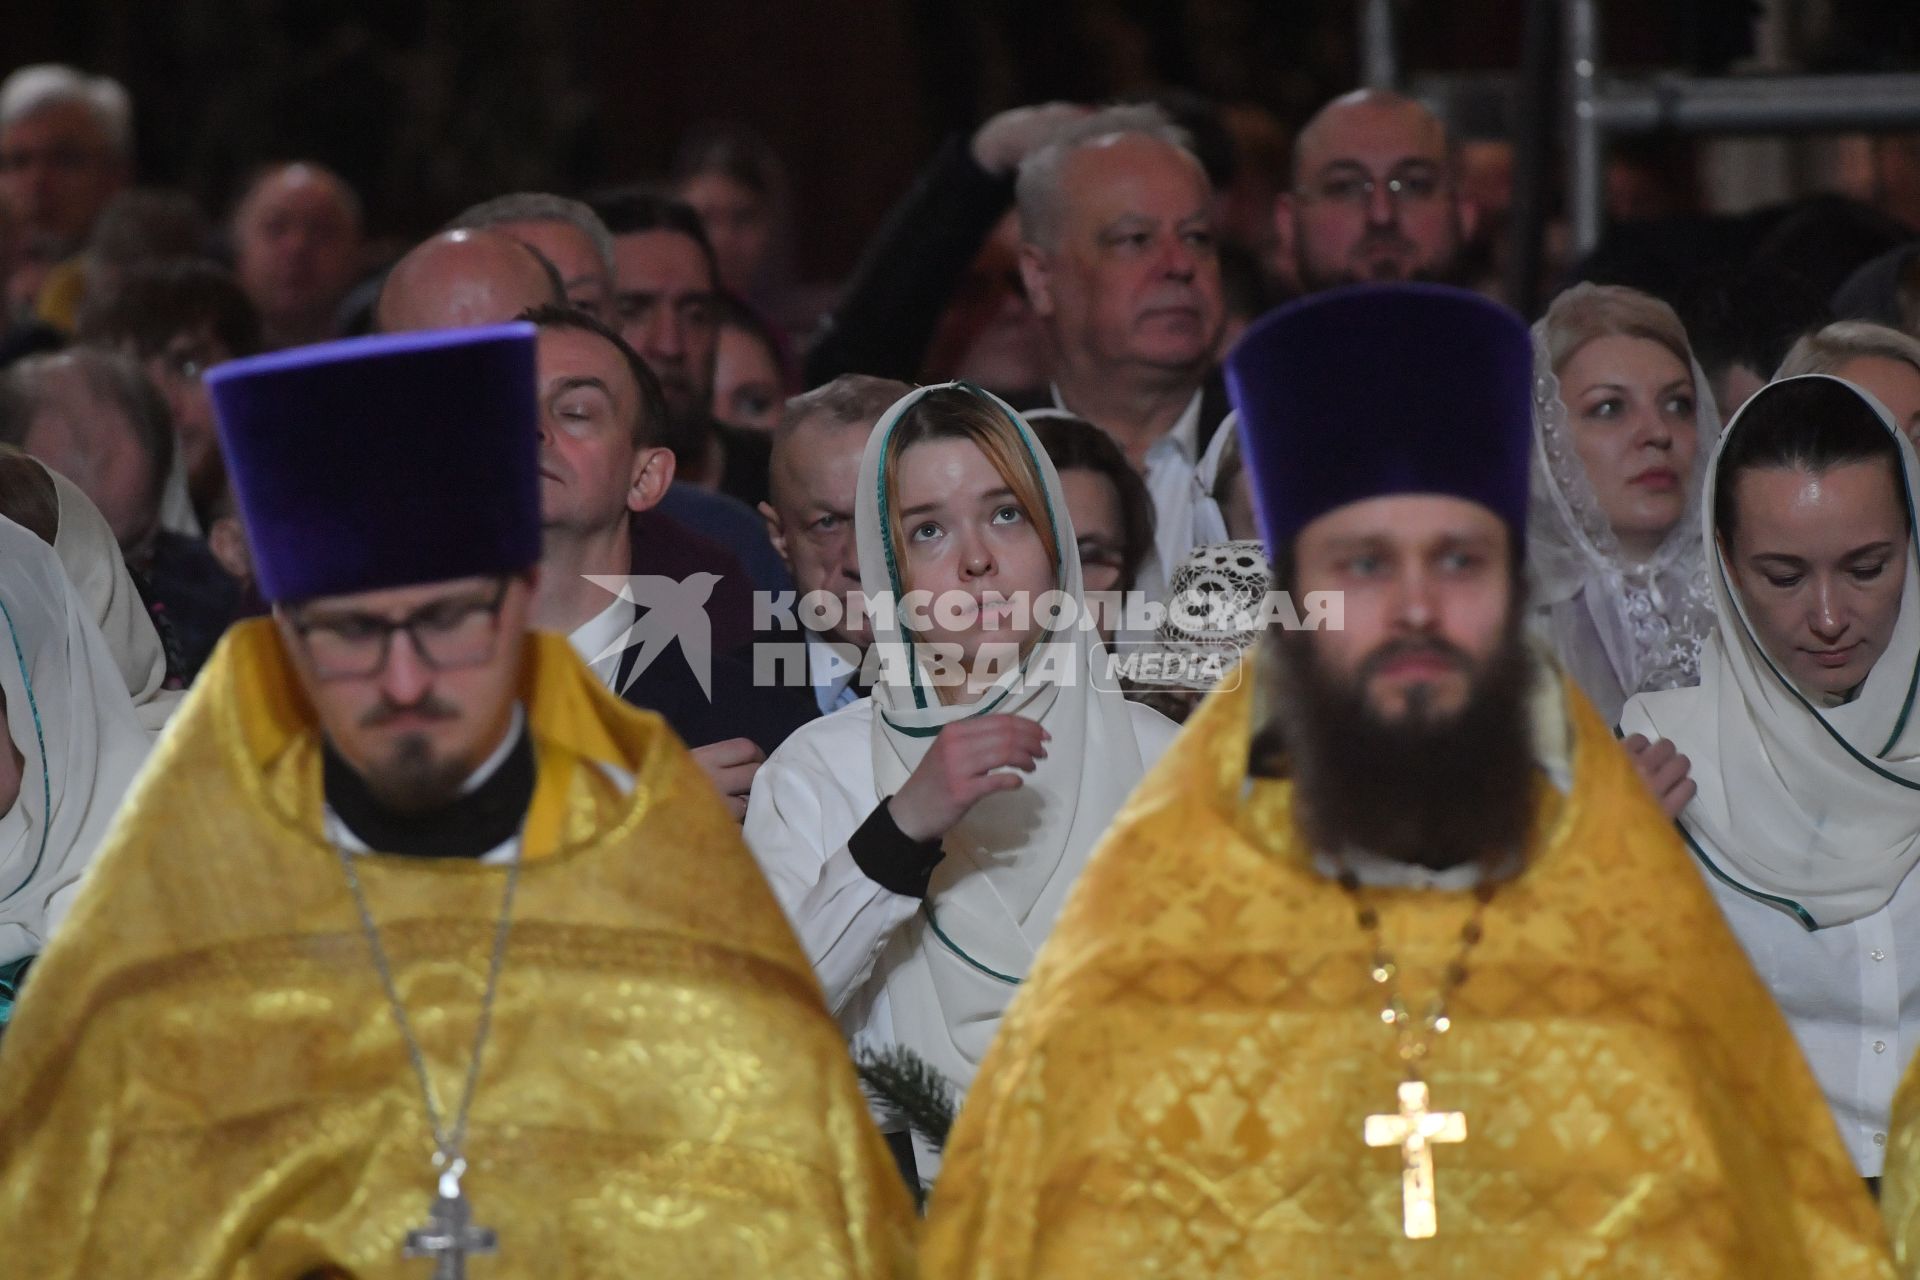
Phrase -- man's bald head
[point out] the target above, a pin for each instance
(812, 481)
(297, 246)
(1367, 116)
(460, 279)
(845, 409)
(1374, 195)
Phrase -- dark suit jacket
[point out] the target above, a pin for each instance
(663, 545)
(191, 598)
(892, 304)
(781, 653)
(739, 708)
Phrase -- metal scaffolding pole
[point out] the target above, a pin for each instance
(1535, 117)
(1691, 104)
(1761, 104)
(1586, 148)
(1379, 53)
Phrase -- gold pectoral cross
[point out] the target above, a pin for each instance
(1414, 1130)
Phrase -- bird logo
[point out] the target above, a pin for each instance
(665, 610)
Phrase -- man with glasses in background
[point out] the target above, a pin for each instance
(416, 942)
(1374, 196)
(1119, 259)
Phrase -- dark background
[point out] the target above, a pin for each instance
(427, 105)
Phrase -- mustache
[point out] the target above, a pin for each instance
(1428, 791)
(1425, 647)
(429, 708)
(1378, 243)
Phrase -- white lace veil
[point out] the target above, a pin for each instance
(1619, 627)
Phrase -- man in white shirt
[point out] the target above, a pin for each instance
(601, 461)
(1119, 258)
(811, 486)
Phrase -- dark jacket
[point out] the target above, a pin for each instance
(887, 315)
(1214, 408)
(781, 656)
(663, 545)
(735, 526)
(191, 599)
(738, 708)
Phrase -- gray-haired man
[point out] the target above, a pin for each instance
(1119, 258)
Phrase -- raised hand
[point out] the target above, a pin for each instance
(970, 759)
(1004, 141)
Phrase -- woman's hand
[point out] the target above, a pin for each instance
(967, 762)
(1665, 771)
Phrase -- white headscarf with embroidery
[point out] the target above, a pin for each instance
(1619, 626)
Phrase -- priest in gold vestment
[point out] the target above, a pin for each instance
(1391, 968)
(414, 952)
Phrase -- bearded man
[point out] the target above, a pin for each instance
(1392, 966)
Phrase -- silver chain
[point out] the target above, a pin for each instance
(447, 1144)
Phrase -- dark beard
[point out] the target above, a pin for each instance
(1313, 282)
(1449, 271)
(1433, 791)
(414, 780)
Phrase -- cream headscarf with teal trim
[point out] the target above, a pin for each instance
(1814, 809)
(1012, 859)
(69, 715)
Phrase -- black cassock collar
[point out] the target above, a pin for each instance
(473, 824)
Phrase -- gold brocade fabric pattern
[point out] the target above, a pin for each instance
(204, 1079)
(1182, 1087)
(1900, 1190)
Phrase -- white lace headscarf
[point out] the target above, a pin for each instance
(1620, 626)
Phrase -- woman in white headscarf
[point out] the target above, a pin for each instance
(70, 752)
(36, 495)
(1622, 417)
(924, 839)
(1803, 735)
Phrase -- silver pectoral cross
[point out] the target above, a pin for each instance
(450, 1235)
(1414, 1130)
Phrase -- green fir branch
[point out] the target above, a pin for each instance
(911, 1091)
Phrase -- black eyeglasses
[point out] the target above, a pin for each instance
(1413, 185)
(448, 635)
